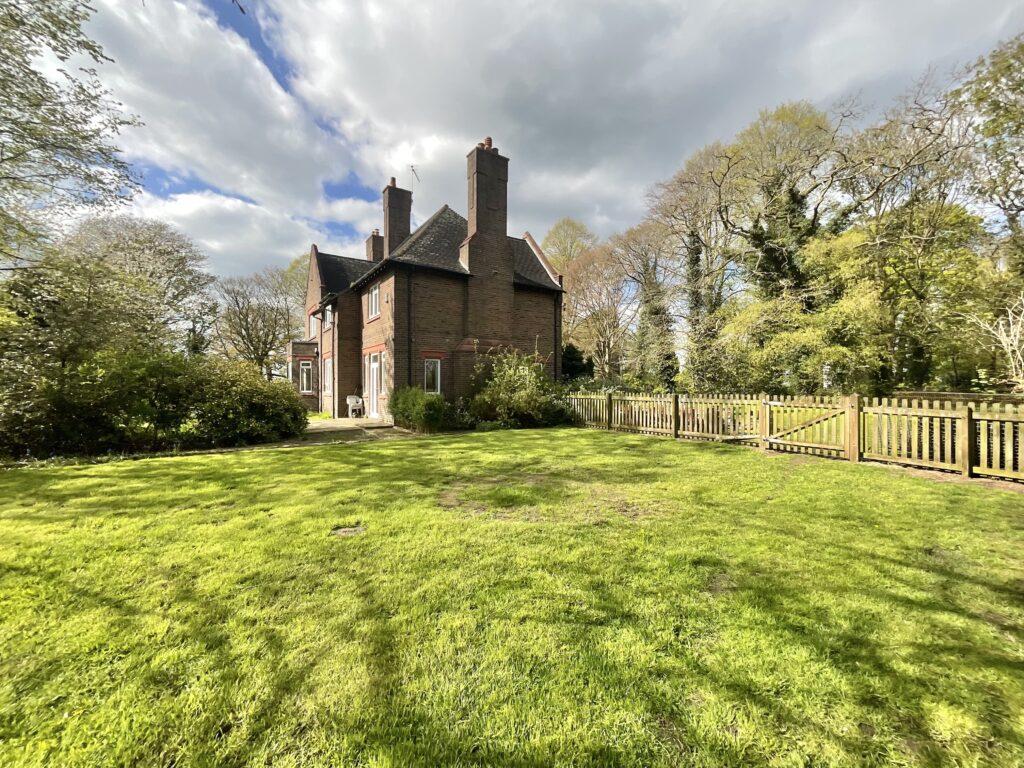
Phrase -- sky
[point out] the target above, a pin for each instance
(269, 130)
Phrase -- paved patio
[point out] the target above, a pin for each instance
(340, 425)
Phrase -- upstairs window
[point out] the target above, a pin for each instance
(306, 377)
(432, 376)
(312, 326)
(373, 302)
(328, 317)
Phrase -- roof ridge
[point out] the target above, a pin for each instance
(347, 258)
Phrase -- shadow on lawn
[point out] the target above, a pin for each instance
(892, 693)
(408, 470)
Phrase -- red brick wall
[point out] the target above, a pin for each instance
(348, 343)
(378, 335)
(533, 326)
(325, 339)
(299, 352)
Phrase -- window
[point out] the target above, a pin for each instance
(432, 376)
(328, 376)
(373, 302)
(312, 326)
(305, 377)
(328, 317)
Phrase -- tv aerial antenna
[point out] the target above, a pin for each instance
(412, 175)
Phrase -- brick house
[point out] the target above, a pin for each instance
(421, 305)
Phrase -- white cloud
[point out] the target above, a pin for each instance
(238, 236)
(211, 107)
(607, 97)
(593, 102)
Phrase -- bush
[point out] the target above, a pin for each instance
(406, 405)
(518, 393)
(235, 405)
(413, 408)
(136, 401)
(125, 401)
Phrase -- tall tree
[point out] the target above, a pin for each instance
(708, 257)
(566, 241)
(167, 269)
(255, 322)
(776, 185)
(56, 131)
(647, 259)
(604, 308)
(994, 93)
(1006, 334)
(290, 282)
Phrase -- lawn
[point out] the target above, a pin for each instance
(533, 598)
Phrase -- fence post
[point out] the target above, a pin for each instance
(853, 428)
(764, 416)
(675, 415)
(608, 416)
(965, 439)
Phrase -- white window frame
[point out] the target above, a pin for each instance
(328, 376)
(373, 302)
(328, 317)
(306, 372)
(312, 326)
(426, 363)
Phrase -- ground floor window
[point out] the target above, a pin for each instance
(328, 376)
(432, 376)
(305, 377)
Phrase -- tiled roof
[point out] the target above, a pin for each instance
(339, 272)
(527, 267)
(435, 244)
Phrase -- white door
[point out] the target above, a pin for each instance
(371, 407)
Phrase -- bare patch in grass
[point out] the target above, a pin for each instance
(502, 497)
(720, 583)
(672, 736)
(604, 500)
(344, 531)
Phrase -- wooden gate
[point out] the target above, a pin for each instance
(814, 425)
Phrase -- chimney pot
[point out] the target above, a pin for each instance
(487, 142)
(392, 182)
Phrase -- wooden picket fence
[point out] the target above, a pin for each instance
(972, 436)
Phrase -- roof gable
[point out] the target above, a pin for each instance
(528, 270)
(339, 272)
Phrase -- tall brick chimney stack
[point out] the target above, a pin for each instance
(487, 175)
(486, 251)
(397, 216)
(375, 246)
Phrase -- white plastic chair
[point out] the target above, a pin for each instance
(355, 405)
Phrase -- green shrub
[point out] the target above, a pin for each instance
(518, 392)
(136, 401)
(406, 405)
(413, 408)
(235, 405)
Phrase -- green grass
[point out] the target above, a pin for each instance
(535, 598)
